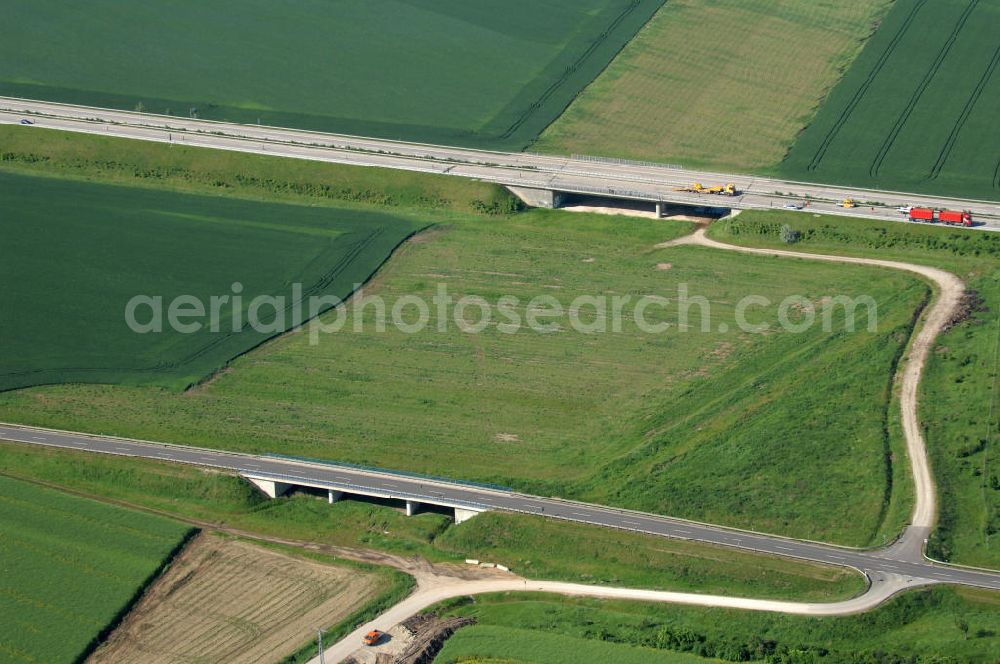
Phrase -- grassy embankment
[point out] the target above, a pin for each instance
(532, 546)
(436, 71)
(958, 398)
(668, 434)
(726, 85)
(917, 109)
(939, 626)
(72, 567)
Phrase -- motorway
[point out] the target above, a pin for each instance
(879, 565)
(582, 175)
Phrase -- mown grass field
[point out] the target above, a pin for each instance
(77, 253)
(958, 405)
(445, 71)
(917, 110)
(71, 566)
(921, 627)
(532, 546)
(726, 84)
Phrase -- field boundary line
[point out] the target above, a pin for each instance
(862, 91)
(918, 93)
(970, 105)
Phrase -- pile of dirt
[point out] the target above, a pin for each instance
(429, 634)
(971, 303)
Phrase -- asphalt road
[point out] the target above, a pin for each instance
(580, 175)
(880, 564)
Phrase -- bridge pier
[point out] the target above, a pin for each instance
(411, 507)
(659, 210)
(539, 198)
(333, 496)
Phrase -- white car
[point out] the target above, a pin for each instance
(904, 209)
(792, 206)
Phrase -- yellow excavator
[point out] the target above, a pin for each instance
(720, 190)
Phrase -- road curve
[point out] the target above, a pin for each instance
(946, 303)
(430, 595)
(883, 586)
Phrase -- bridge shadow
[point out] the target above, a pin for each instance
(634, 208)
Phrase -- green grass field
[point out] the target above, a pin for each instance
(254, 177)
(958, 401)
(71, 566)
(504, 645)
(532, 546)
(78, 252)
(917, 110)
(470, 72)
(922, 627)
(655, 409)
(726, 84)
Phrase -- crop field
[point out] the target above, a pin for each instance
(920, 627)
(71, 566)
(917, 110)
(958, 405)
(726, 84)
(467, 72)
(76, 253)
(597, 417)
(227, 600)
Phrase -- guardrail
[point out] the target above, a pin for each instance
(625, 162)
(398, 473)
(362, 489)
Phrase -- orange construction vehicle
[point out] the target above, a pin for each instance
(373, 637)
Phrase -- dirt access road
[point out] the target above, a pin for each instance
(950, 290)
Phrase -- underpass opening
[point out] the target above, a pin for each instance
(638, 208)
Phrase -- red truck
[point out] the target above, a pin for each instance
(944, 216)
(951, 217)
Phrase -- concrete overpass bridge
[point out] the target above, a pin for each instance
(902, 567)
(544, 180)
(274, 485)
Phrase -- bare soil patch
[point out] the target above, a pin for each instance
(227, 600)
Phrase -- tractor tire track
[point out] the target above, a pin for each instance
(970, 105)
(571, 69)
(862, 91)
(918, 93)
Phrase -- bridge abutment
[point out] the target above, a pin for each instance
(540, 198)
(270, 488)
